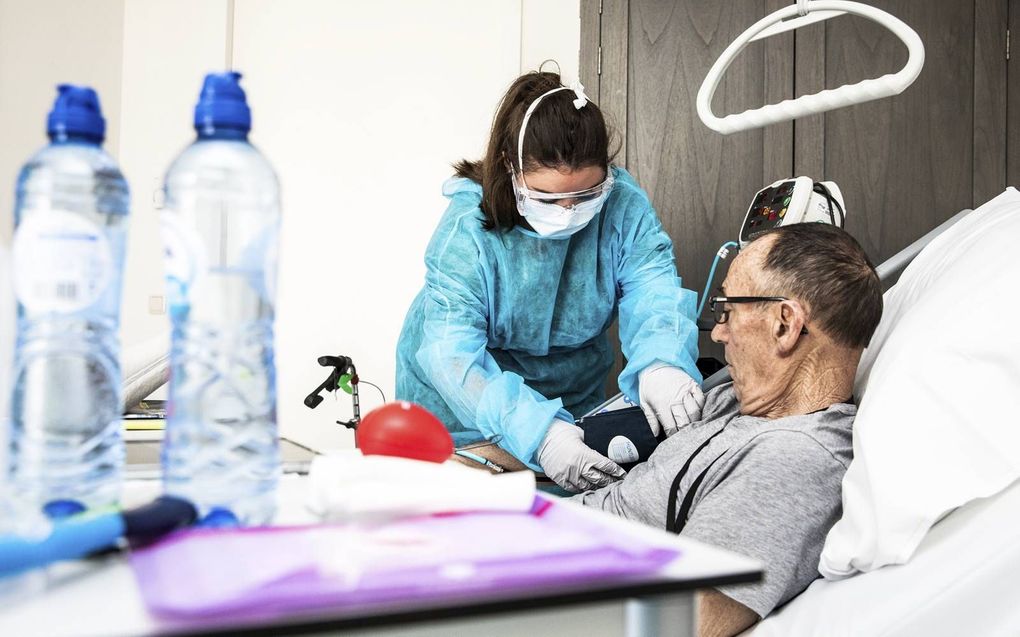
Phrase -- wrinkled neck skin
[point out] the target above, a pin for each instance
(804, 383)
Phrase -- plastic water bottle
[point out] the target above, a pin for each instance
(7, 314)
(71, 215)
(220, 225)
(16, 517)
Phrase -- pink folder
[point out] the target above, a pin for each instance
(272, 571)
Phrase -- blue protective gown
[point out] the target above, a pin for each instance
(509, 331)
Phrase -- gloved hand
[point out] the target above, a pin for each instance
(572, 464)
(669, 397)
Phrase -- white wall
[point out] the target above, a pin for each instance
(360, 106)
(44, 43)
(169, 45)
(551, 30)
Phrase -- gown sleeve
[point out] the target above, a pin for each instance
(453, 349)
(657, 315)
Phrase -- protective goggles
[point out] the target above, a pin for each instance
(565, 200)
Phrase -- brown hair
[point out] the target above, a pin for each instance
(558, 135)
(826, 268)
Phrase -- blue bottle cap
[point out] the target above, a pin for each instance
(76, 113)
(222, 104)
(60, 509)
(219, 518)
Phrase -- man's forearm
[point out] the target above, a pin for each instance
(720, 616)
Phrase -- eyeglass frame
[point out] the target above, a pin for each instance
(741, 299)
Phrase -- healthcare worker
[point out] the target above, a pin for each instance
(543, 244)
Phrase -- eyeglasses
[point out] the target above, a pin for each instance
(717, 305)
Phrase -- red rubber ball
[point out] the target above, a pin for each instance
(406, 430)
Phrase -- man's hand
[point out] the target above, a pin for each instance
(669, 397)
(572, 464)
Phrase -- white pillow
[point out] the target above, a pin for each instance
(939, 393)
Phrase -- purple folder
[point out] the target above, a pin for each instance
(272, 571)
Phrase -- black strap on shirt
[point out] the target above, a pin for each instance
(675, 522)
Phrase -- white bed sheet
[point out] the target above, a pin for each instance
(963, 580)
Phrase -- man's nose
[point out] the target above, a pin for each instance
(718, 334)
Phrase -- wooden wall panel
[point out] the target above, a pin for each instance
(990, 21)
(589, 53)
(777, 140)
(809, 78)
(614, 81)
(1013, 100)
(904, 163)
(700, 181)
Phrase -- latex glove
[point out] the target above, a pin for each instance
(670, 398)
(572, 464)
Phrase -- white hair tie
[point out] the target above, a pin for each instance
(578, 90)
(579, 103)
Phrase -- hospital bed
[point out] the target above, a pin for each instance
(961, 581)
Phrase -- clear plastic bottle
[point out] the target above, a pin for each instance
(71, 215)
(220, 225)
(7, 318)
(17, 517)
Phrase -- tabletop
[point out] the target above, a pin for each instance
(101, 596)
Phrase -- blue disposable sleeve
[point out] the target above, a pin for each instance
(453, 351)
(657, 315)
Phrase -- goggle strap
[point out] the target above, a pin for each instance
(524, 126)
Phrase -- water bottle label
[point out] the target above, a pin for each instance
(62, 262)
(183, 258)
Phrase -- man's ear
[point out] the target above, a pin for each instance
(789, 321)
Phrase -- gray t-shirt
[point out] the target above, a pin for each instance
(772, 493)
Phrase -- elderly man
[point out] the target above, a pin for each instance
(760, 472)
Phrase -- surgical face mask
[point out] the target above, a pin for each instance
(559, 215)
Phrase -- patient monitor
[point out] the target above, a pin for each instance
(789, 201)
(782, 203)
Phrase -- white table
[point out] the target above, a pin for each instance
(102, 598)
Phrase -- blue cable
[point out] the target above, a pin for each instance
(480, 460)
(722, 253)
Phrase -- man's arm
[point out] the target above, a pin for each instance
(720, 616)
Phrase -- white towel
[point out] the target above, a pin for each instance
(349, 486)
